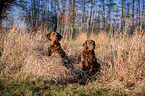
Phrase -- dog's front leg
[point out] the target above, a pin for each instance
(49, 52)
(91, 68)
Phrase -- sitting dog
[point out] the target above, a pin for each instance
(88, 59)
(55, 47)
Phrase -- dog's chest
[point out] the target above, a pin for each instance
(55, 47)
(89, 56)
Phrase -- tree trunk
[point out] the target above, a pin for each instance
(73, 18)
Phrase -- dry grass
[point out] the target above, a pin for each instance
(125, 69)
(24, 56)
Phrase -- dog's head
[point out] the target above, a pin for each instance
(89, 45)
(53, 36)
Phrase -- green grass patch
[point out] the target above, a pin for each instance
(40, 88)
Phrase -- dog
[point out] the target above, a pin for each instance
(88, 59)
(55, 48)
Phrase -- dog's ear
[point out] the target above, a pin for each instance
(85, 44)
(48, 36)
(59, 36)
(94, 44)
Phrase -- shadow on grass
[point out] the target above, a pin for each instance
(79, 77)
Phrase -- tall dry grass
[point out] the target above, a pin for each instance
(24, 56)
(123, 65)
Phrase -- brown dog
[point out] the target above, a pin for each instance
(88, 59)
(55, 47)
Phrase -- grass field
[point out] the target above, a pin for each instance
(25, 68)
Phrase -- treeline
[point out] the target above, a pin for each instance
(72, 16)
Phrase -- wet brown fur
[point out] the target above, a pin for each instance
(88, 59)
(55, 48)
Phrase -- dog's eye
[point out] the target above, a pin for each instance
(53, 34)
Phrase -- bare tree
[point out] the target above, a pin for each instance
(110, 5)
(104, 22)
(4, 6)
(72, 17)
(143, 14)
(90, 18)
(133, 2)
(122, 16)
(128, 7)
(139, 12)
